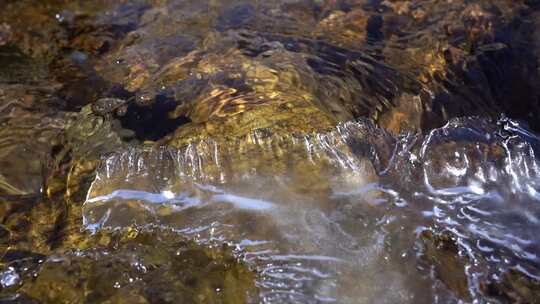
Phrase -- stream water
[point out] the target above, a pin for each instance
(350, 234)
(285, 151)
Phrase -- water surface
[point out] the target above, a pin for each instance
(340, 151)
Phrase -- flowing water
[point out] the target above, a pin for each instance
(287, 151)
(347, 234)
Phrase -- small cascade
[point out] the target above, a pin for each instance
(310, 213)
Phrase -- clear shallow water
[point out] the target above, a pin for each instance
(355, 238)
(165, 151)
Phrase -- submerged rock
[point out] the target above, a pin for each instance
(142, 267)
(230, 122)
(442, 252)
(514, 287)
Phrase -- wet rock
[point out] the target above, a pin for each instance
(136, 51)
(88, 135)
(458, 57)
(406, 116)
(80, 85)
(26, 157)
(97, 33)
(156, 62)
(142, 267)
(441, 251)
(235, 87)
(235, 17)
(265, 76)
(515, 287)
(108, 106)
(45, 29)
(5, 34)
(18, 68)
(37, 34)
(5, 239)
(345, 29)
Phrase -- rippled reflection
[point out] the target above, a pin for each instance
(283, 151)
